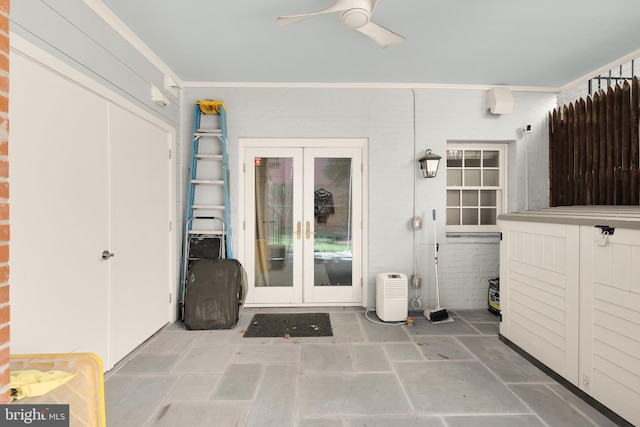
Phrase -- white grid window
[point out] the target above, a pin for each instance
(475, 186)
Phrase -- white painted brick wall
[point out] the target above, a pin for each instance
(385, 117)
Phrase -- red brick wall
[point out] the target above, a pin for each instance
(4, 201)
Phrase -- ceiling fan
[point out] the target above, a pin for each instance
(354, 14)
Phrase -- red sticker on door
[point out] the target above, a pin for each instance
(257, 161)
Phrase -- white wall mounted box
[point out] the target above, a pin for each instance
(570, 297)
(499, 100)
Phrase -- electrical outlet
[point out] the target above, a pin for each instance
(416, 282)
(585, 381)
(417, 223)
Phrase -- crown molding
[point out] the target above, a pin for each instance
(292, 85)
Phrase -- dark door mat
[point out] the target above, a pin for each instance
(289, 325)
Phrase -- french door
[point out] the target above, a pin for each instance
(303, 216)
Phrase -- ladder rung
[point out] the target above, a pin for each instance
(207, 232)
(209, 156)
(208, 181)
(209, 132)
(208, 207)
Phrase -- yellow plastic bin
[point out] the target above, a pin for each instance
(84, 393)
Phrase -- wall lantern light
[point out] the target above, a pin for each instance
(429, 164)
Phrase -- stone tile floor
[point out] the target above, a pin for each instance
(367, 374)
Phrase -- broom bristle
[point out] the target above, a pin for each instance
(438, 315)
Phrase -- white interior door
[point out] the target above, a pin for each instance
(303, 236)
(139, 234)
(59, 214)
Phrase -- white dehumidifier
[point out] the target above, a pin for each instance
(392, 291)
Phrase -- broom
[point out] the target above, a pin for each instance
(439, 314)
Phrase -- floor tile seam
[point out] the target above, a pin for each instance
(444, 415)
(413, 343)
(219, 384)
(575, 408)
(184, 352)
(162, 403)
(133, 353)
(503, 383)
(525, 404)
(433, 361)
(474, 328)
(404, 388)
(444, 335)
(543, 383)
(450, 335)
(146, 375)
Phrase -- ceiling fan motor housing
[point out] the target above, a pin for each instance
(355, 18)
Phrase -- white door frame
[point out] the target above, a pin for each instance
(243, 252)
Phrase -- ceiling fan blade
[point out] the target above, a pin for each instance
(382, 36)
(338, 6)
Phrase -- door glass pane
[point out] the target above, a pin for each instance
(332, 251)
(274, 221)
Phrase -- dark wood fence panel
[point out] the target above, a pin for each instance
(594, 149)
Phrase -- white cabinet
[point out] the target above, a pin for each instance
(570, 297)
(87, 175)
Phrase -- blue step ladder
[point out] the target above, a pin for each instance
(207, 231)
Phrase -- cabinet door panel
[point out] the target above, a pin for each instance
(59, 214)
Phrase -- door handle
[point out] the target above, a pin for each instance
(106, 254)
(308, 232)
(299, 230)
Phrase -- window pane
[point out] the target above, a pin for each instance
(487, 216)
(469, 216)
(469, 198)
(491, 178)
(453, 198)
(490, 159)
(454, 158)
(453, 216)
(472, 177)
(454, 177)
(472, 159)
(488, 198)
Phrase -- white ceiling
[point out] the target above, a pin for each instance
(540, 43)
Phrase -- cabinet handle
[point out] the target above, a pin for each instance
(299, 230)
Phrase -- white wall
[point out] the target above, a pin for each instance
(71, 31)
(385, 117)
